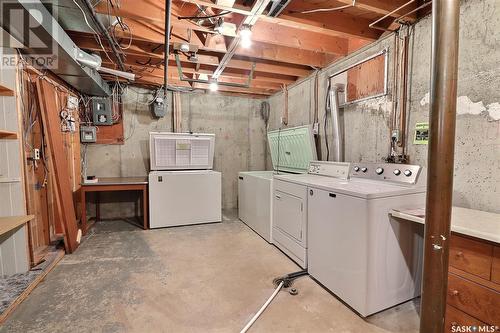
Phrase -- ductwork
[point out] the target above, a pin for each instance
(337, 139)
(277, 7)
(62, 49)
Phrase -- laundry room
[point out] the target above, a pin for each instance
(250, 166)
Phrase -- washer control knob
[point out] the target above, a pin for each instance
(356, 168)
(379, 171)
(364, 169)
(397, 172)
(408, 173)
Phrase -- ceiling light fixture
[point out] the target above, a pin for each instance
(213, 86)
(245, 36)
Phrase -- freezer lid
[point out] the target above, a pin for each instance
(181, 151)
(292, 148)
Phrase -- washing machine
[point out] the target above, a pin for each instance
(355, 248)
(290, 206)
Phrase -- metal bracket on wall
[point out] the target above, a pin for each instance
(229, 84)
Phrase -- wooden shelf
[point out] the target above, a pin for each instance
(9, 180)
(8, 135)
(4, 91)
(8, 223)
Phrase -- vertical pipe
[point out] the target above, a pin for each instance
(443, 97)
(336, 127)
(168, 4)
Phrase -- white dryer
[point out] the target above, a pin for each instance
(291, 151)
(355, 249)
(290, 206)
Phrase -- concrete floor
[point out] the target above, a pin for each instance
(206, 278)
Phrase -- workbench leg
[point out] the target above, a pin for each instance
(98, 206)
(145, 208)
(84, 211)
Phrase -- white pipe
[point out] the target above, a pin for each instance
(257, 315)
(125, 75)
(329, 9)
(336, 128)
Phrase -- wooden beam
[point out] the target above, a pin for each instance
(151, 80)
(264, 31)
(209, 58)
(190, 68)
(52, 128)
(384, 7)
(335, 24)
(334, 42)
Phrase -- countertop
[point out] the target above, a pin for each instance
(470, 222)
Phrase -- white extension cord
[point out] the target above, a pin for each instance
(257, 315)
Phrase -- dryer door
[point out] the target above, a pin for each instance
(289, 214)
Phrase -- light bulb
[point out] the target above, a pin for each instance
(246, 43)
(213, 86)
(245, 32)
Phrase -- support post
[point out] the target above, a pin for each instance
(443, 97)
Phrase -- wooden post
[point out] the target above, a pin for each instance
(59, 164)
(443, 97)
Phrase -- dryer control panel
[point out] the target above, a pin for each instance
(330, 169)
(399, 173)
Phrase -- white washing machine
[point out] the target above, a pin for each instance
(355, 248)
(291, 150)
(290, 206)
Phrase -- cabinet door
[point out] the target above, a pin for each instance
(289, 214)
(495, 271)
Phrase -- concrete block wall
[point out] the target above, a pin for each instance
(366, 124)
(236, 122)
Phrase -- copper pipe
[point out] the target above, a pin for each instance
(404, 97)
(443, 97)
(166, 54)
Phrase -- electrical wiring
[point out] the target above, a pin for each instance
(325, 120)
(203, 17)
(96, 34)
(125, 28)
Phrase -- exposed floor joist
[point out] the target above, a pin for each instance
(284, 48)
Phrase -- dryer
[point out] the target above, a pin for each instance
(291, 151)
(290, 206)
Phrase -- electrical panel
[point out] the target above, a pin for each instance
(102, 113)
(88, 134)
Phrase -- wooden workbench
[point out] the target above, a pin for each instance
(474, 267)
(110, 185)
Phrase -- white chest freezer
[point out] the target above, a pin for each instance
(182, 187)
(184, 197)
